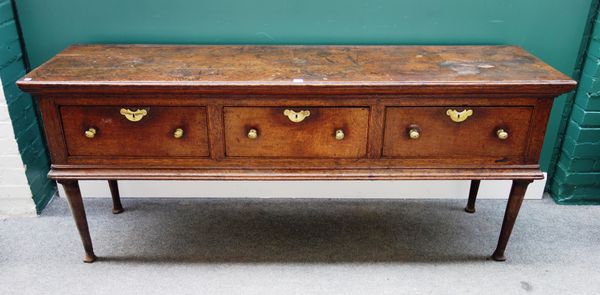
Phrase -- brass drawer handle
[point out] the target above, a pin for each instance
(414, 133)
(339, 134)
(457, 116)
(90, 133)
(252, 133)
(178, 133)
(133, 116)
(502, 134)
(296, 117)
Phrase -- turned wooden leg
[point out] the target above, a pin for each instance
(78, 212)
(472, 195)
(515, 199)
(116, 198)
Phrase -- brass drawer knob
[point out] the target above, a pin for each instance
(457, 116)
(178, 133)
(296, 117)
(252, 133)
(414, 133)
(502, 134)
(339, 134)
(90, 133)
(133, 116)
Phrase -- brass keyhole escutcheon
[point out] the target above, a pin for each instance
(457, 116)
(296, 117)
(133, 116)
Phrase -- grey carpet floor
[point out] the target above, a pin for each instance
(302, 246)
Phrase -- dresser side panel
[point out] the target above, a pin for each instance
(53, 129)
(539, 123)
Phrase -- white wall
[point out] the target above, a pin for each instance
(308, 189)
(15, 195)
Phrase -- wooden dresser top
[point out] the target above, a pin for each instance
(374, 69)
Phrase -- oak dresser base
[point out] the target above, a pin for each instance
(171, 112)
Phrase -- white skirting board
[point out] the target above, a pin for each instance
(420, 189)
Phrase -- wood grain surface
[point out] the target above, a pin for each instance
(280, 137)
(303, 68)
(441, 137)
(151, 136)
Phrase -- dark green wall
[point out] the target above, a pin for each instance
(551, 29)
(577, 177)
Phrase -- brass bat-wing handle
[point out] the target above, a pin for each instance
(296, 117)
(133, 116)
(457, 116)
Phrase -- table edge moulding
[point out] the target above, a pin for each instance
(188, 112)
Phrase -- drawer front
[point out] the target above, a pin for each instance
(285, 132)
(116, 131)
(451, 132)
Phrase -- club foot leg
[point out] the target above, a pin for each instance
(116, 197)
(73, 195)
(472, 196)
(498, 256)
(89, 258)
(515, 199)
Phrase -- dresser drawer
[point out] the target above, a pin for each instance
(149, 131)
(326, 132)
(452, 132)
